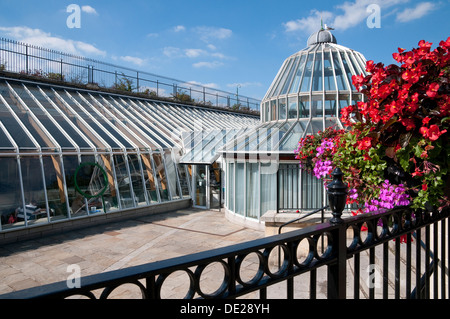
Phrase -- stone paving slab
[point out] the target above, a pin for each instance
(117, 245)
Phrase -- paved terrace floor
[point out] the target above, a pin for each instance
(117, 245)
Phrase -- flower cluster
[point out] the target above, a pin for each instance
(399, 132)
(390, 196)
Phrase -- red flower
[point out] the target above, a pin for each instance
(365, 143)
(432, 90)
(426, 120)
(424, 187)
(434, 133)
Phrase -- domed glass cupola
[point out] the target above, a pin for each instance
(315, 82)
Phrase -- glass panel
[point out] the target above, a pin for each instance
(347, 69)
(110, 196)
(317, 106)
(273, 109)
(149, 178)
(161, 177)
(306, 82)
(136, 179)
(328, 72)
(268, 193)
(282, 108)
(267, 111)
(338, 71)
(123, 182)
(288, 187)
(172, 175)
(200, 185)
(289, 78)
(184, 180)
(344, 101)
(240, 189)
(252, 190)
(298, 75)
(292, 111)
(33, 188)
(290, 143)
(54, 183)
(312, 191)
(317, 75)
(10, 192)
(330, 106)
(304, 106)
(230, 186)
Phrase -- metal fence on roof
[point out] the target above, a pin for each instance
(18, 57)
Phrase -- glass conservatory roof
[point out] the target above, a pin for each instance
(322, 66)
(40, 118)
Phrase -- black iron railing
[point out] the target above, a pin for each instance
(371, 255)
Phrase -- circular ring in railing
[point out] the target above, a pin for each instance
(381, 227)
(305, 252)
(223, 286)
(240, 264)
(275, 259)
(162, 277)
(318, 244)
(108, 290)
(356, 236)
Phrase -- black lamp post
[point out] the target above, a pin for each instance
(337, 195)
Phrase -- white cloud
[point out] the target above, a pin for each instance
(418, 12)
(89, 9)
(212, 33)
(179, 28)
(46, 40)
(209, 65)
(172, 52)
(194, 53)
(132, 59)
(345, 16)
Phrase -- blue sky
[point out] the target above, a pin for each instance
(220, 43)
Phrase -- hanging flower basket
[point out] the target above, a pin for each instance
(395, 149)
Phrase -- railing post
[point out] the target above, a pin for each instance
(337, 197)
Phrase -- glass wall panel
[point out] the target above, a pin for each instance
(312, 191)
(127, 199)
(230, 186)
(150, 184)
(54, 184)
(184, 180)
(342, 85)
(110, 196)
(328, 72)
(172, 175)
(292, 70)
(268, 193)
(240, 189)
(347, 69)
(330, 105)
(282, 109)
(317, 75)
(200, 185)
(273, 110)
(306, 82)
(33, 188)
(288, 179)
(161, 177)
(304, 106)
(292, 111)
(298, 75)
(136, 179)
(252, 190)
(77, 203)
(266, 111)
(10, 192)
(317, 106)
